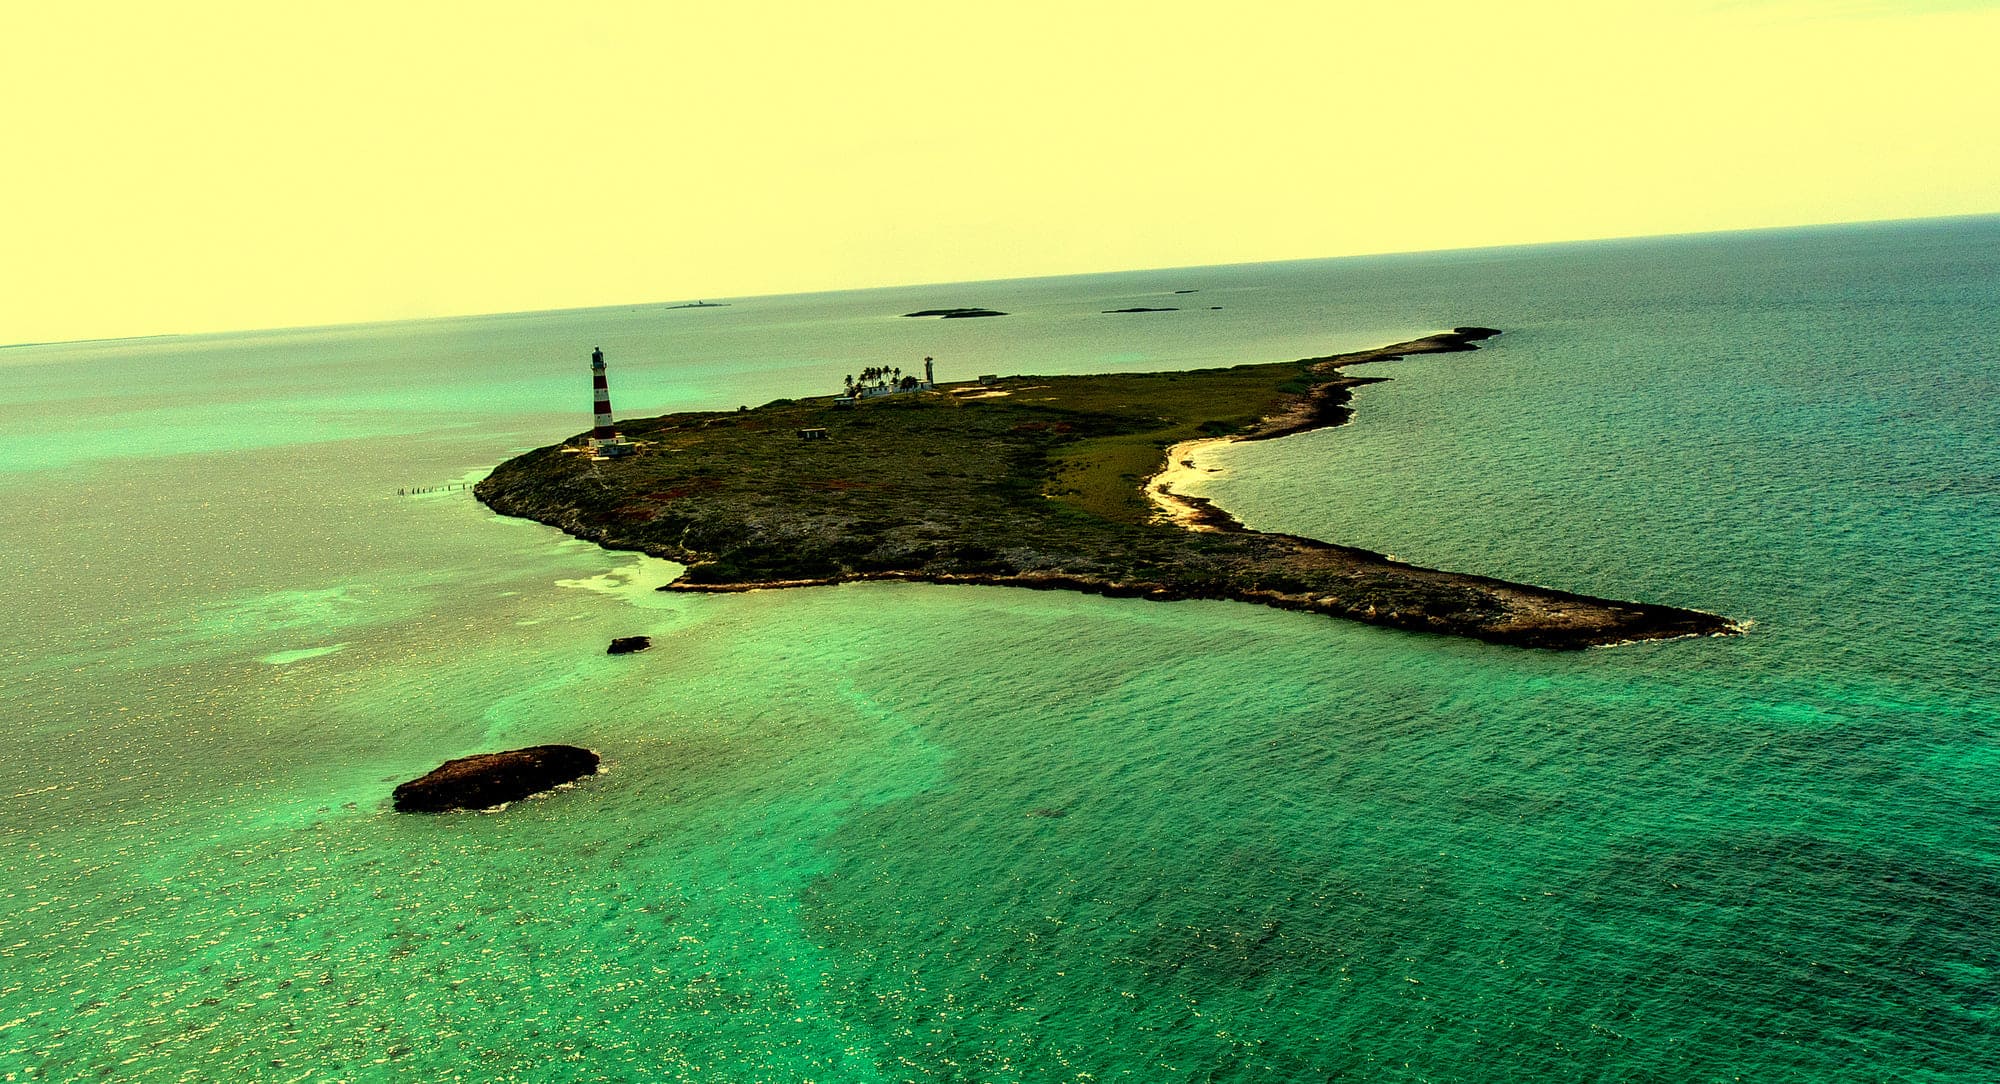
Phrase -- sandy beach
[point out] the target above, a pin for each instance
(1192, 513)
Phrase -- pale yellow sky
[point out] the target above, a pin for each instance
(177, 167)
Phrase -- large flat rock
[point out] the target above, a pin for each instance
(489, 779)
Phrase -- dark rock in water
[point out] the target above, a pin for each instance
(625, 645)
(1185, 291)
(956, 314)
(489, 779)
(1142, 309)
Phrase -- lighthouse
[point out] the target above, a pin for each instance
(605, 443)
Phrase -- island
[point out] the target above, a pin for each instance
(956, 314)
(1114, 312)
(1061, 482)
(486, 780)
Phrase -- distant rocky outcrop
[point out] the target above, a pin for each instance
(1169, 308)
(625, 645)
(956, 314)
(489, 779)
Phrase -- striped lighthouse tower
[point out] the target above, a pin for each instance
(604, 440)
(601, 395)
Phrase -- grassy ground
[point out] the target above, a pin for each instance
(1104, 475)
(1046, 475)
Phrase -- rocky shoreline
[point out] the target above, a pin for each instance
(1545, 618)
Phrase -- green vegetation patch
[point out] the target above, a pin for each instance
(1040, 473)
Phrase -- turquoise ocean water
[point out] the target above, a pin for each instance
(825, 846)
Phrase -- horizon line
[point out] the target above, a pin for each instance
(732, 298)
